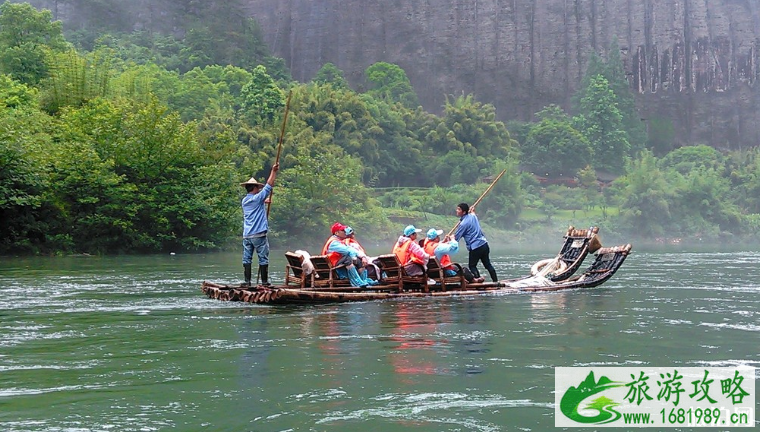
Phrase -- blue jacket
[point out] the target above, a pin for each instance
(446, 248)
(469, 228)
(255, 213)
(342, 248)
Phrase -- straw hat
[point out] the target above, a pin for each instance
(252, 181)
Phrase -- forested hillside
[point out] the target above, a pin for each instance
(137, 141)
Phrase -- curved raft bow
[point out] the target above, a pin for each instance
(578, 244)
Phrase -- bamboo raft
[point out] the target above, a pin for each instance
(323, 286)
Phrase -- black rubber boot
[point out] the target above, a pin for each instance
(264, 274)
(492, 273)
(247, 273)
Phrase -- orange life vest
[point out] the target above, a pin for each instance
(348, 241)
(333, 257)
(430, 246)
(403, 254)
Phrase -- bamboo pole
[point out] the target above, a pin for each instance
(472, 207)
(276, 161)
(279, 145)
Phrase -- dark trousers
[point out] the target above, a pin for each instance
(481, 254)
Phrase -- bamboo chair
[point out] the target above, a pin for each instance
(390, 269)
(325, 274)
(405, 278)
(295, 273)
(436, 273)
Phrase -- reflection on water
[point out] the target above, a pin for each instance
(548, 310)
(418, 346)
(131, 344)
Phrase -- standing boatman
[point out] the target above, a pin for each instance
(469, 229)
(256, 225)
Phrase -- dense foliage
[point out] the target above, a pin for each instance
(137, 143)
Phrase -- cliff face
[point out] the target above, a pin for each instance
(693, 61)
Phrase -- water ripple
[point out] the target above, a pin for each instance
(433, 408)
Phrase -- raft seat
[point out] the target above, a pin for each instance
(436, 273)
(391, 262)
(412, 280)
(325, 274)
(390, 269)
(295, 273)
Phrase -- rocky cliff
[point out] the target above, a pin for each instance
(693, 61)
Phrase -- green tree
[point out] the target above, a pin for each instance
(97, 206)
(220, 33)
(262, 98)
(346, 117)
(455, 167)
(193, 94)
(553, 147)
(646, 198)
(744, 176)
(661, 136)
(587, 180)
(25, 134)
(467, 127)
(389, 82)
(631, 119)
(475, 128)
(601, 122)
(330, 74)
(14, 94)
(318, 190)
(75, 80)
(174, 191)
(27, 39)
(507, 202)
(701, 202)
(277, 69)
(613, 71)
(519, 130)
(230, 78)
(688, 159)
(400, 152)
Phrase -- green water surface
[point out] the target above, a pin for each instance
(131, 344)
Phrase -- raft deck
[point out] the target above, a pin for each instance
(608, 261)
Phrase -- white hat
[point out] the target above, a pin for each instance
(410, 229)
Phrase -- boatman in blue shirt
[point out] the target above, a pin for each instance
(255, 226)
(477, 245)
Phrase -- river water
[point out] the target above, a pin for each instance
(131, 344)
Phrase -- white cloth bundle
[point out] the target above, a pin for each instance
(306, 264)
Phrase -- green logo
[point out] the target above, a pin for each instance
(574, 397)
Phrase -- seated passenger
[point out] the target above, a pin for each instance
(410, 254)
(370, 269)
(443, 251)
(351, 240)
(338, 253)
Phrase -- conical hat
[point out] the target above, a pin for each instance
(252, 181)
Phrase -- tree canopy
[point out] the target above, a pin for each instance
(28, 39)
